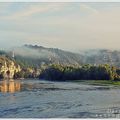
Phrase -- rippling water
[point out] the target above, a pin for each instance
(46, 99)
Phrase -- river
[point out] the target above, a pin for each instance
(47, 99)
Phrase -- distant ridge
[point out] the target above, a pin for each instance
(36, 55)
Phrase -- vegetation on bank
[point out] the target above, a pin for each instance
(29, 68)
(85, 72)
(28, 73)
(99, 82)
(61, 72)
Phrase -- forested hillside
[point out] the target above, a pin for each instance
(111, 57)
(49, 63)
(35, 56)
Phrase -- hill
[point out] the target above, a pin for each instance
(38, 55)
(111, 57)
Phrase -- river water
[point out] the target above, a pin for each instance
(46, 99)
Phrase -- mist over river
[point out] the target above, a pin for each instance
(47, 99)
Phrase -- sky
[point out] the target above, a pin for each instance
(68, 26)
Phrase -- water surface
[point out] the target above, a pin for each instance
(46, 99)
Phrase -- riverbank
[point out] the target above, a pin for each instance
(99, 82)
(86, 82)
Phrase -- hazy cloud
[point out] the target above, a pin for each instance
(70, 26)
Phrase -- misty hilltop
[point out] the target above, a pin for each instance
(38, 55)
(103, 56)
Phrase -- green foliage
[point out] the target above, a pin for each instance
(26, 73)
(53, 72)
(85, 72)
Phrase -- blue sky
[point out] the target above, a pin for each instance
(69, 26)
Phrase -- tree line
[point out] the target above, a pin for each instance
(85, 72)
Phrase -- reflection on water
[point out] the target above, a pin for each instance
(10, 86)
